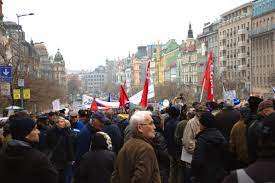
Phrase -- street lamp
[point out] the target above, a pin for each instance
(19, 54)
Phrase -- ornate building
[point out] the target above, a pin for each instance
(190, 62)
(58, 67)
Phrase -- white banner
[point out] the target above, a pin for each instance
(135, 99)
(56, 105)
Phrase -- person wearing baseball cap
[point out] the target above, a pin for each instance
(19, 160)
(96, 124)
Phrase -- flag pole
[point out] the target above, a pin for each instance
(202, 89)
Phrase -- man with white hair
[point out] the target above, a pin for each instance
(136, 161)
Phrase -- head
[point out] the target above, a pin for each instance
(42, 121)
(51, 115)
(24, 129)
(200, 109)
(207, 120)
(99, 120)
(141, 122)
(73, 117)
(158, 122)
(265, 108)
(174, 111)
(101, 141)
(83, 115)
(61, 122)
(254, 103)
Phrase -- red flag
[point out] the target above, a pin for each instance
(208, 84)
(94, 107)
(144, 98)
(123, 98)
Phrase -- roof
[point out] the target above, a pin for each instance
(237, 9)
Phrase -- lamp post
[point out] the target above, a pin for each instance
(19, 55)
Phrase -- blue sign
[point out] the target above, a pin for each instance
(6, 74)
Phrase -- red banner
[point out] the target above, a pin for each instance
(144, 98)
(208, 84)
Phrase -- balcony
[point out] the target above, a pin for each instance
(241, 67)
(261, 30)
(242, 31)
(242, 55)
(241, 43)
(222, 37)
(222, 47)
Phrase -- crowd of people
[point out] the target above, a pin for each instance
(199, 143)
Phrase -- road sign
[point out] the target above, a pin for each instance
(5, 89)
(6, 74)
(21, 82)
(26, 93)
(16, 94)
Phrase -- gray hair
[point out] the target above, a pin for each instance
(137, 118)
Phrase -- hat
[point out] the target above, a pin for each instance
(82, 113)
(101, 140)
(201, 108)
(101, 117)
(21, 127)
(73, 113)
(207, 119)
(265, 104)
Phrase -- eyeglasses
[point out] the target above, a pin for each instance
(150, 123)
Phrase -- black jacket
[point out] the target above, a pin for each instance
(60, 144)
(225, 121)
(19, 162)
(207, 163)
(161, 150)
(95, 166)
(115, 134)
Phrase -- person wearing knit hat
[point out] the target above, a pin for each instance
(207, 161)
(19, 161)
(24, 129)
(207, 120)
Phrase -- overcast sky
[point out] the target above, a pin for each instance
(89, 31)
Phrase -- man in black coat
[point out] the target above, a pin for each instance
(226, 119)
(97, 165)
(19, 162)
(208, 162)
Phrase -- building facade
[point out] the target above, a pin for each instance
(263, 47)
(58, 68)
(235, 48)
(95, 80)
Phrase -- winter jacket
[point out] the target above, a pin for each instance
(169, 131)
(252, 138)
(225, 121)
(179, 132)
(238, 144)
(207, 161)
(161, 150)
(19, 162)
(42, 139)
(83, 141)
(60, 147)
(95, 166)
(136, 162)
(260, 171)
(191, 130)
(114, 132)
